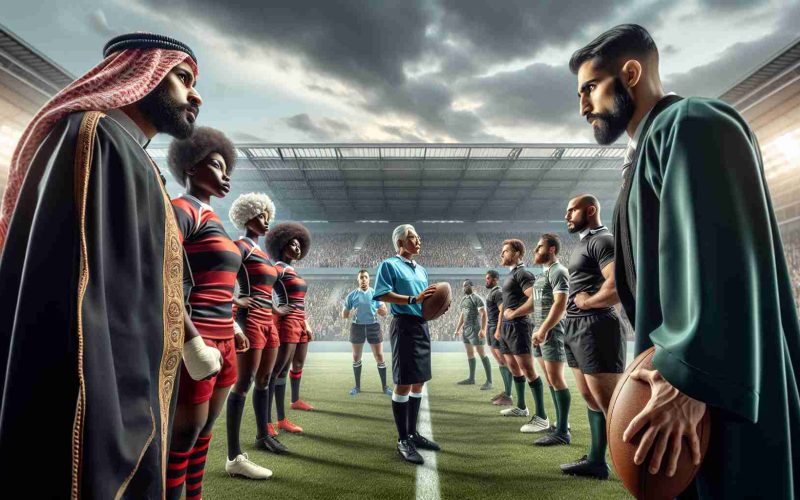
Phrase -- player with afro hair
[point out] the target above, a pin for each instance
(286, 243)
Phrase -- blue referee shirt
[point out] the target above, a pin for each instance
(403, 277)
(365, 307)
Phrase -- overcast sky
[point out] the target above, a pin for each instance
(410, 70)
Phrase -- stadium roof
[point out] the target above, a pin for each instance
(28, 71)
(418, 182)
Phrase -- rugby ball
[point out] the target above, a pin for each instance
(438, 303)
(628, 400)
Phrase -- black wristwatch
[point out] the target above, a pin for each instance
(412, 300)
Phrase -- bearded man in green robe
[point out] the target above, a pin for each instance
(701, 274)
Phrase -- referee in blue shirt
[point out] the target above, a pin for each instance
(404, 284)
(360, 303)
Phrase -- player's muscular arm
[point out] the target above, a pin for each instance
(345, 312)
(605, 297)
(496, 332)
(396, 298)
(460, 322)
(524, 309)
(484, 317)
(556, 312)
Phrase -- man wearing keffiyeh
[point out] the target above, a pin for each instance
(92, 323)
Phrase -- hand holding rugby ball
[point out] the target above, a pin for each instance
(437, 304)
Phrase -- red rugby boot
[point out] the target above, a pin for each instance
(287, 426)
(271, 430)
(301, 405)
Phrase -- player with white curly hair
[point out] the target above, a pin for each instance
(253, 212)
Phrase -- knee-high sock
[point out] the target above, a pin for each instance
(471, 362)
(176, 473)
(414, 402)
(382, 374)
(564, 399)
(270, 397)
(519, 386)
(505, 374)
(261, 410)
(400, 412)
(555, 399)
(597, 427)
(537, 389)
(487, 367)
(357, 373)
(295, 377)
(280, 398)
(233, 423)
(197, 468)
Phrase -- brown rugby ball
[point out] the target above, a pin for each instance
(628, 400)
(438, 303)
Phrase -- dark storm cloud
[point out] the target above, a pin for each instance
(539, 93)
(324, 129)
(370, 47)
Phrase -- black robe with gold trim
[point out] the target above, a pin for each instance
(91, 319)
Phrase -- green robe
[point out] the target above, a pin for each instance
(712, 293)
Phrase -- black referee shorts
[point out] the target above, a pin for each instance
(411, 350)
(515, 337)
(595, 343)
(360, 333)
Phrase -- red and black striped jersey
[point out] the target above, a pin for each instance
(213, 260)
(256, 277)
(292, 289)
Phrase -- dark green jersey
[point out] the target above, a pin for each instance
(469, 306)
(554, 279)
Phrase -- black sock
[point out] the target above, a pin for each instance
(487, 367)
(261, 409)
(233, 423)
(280, 397)
(597, 428)
(537, 389)
(471, 362)
(413, 412)
(382, 373)
(400, 412)
(295, 378)
(357, 373)
(270, 397)
(519, 385)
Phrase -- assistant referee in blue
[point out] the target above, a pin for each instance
(404, 284)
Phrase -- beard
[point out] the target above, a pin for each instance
(610, 125)
(166, 115)
(578, 225)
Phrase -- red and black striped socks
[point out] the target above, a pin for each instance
(196, 468)
(176, 473)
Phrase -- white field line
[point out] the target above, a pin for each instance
(427, 475)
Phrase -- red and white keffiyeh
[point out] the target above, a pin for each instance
(121, 79)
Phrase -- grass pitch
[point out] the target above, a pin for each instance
(347, 449)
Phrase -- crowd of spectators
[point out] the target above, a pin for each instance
(331, 250)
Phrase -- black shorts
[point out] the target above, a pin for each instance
(493, 342)
(595, 344)
(365, 333)
(515, 337)
(411, 350)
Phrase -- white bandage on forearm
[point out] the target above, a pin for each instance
(201, 360)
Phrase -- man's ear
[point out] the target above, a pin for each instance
(591, 210)
(631, 73)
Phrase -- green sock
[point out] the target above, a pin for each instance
(505, 374)
(487, 368)
(537, 389)
(471, 362)
(519, 385)
(563, 399)
(555, 400)
(597, 427)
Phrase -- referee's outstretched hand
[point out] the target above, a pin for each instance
(426, 293)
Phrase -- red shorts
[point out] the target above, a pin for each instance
(261, 333)
(195, 392)
(291, 330)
